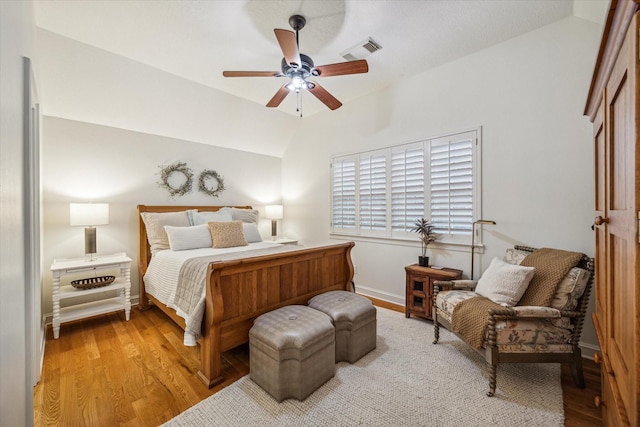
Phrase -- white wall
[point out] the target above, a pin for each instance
(88, 162)
(528, 95)
(17, 28)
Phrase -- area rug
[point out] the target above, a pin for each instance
(407, 381)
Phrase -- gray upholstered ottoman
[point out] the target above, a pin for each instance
(292, 351)
(354, 318)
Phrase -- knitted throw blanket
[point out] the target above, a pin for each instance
(551, 266)
(470, 317)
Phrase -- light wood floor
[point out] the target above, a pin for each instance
(107, 372)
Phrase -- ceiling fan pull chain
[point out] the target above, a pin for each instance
(299, 102)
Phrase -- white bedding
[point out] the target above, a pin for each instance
(161, 278)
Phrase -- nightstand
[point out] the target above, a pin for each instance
(285, 241)
(81, 268)
(420, 280)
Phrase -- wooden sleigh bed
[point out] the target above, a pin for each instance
(238, 291)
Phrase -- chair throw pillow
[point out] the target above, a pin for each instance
(504, 283)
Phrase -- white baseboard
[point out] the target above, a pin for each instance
(588, 350)
(384, 296)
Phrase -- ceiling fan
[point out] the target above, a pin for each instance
(299, 68)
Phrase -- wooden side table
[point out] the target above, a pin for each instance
(105, 303)
(420, 280)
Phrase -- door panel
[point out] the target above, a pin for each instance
(620, 230)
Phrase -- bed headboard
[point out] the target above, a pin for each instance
(144, 250)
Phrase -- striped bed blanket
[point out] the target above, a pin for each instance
(191, 291)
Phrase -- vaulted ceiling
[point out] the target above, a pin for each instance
(197, 40)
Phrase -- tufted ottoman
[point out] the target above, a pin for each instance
(292, 351)
(354, 318)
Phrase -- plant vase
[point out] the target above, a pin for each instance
(423, 261)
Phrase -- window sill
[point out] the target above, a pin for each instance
(398, 241)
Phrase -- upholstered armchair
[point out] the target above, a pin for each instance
(535, 328)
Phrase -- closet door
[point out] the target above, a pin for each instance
(619, 225)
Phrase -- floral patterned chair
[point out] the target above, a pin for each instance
(515, 333)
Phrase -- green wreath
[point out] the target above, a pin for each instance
(210, 191)
(168, 171)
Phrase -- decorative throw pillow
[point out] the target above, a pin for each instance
(197, 218)
(244, 215)
(227, 234)
(194, 237)
(514, 256)
(251, 232)
(154, 222)
(569, 291)
(504, 283)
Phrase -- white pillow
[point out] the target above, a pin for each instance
(244, 215)
(194, 237)
(154, 223)
(504, 283)
(197, 218)
(251, 232)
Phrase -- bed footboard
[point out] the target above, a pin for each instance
(238, 291)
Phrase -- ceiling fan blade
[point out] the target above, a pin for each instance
(289, 46)
(343, 68)
(251, 73)
(280, 95)
(324, 96)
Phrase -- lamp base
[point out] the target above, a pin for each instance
(90, 244)
(274, 229)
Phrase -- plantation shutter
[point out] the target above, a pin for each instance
(407, 187)
(383, 192)
(344, 194)
(451, 184)
(373, 192)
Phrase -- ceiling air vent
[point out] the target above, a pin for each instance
(361, 50)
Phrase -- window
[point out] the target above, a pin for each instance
(344, 194)
(382, 193)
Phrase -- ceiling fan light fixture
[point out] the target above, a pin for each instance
(297, 82)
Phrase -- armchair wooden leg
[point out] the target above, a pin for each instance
(576, 368)
(492, 380)
(436, 328)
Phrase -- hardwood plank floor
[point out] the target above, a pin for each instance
(104, 371)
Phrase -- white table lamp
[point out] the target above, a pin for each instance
(89, 215)
(274, 213)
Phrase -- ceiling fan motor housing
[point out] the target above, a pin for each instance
(306, 69)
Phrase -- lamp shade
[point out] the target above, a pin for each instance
(88, 214)
(273, 211)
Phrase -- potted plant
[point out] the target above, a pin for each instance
(425, 229)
